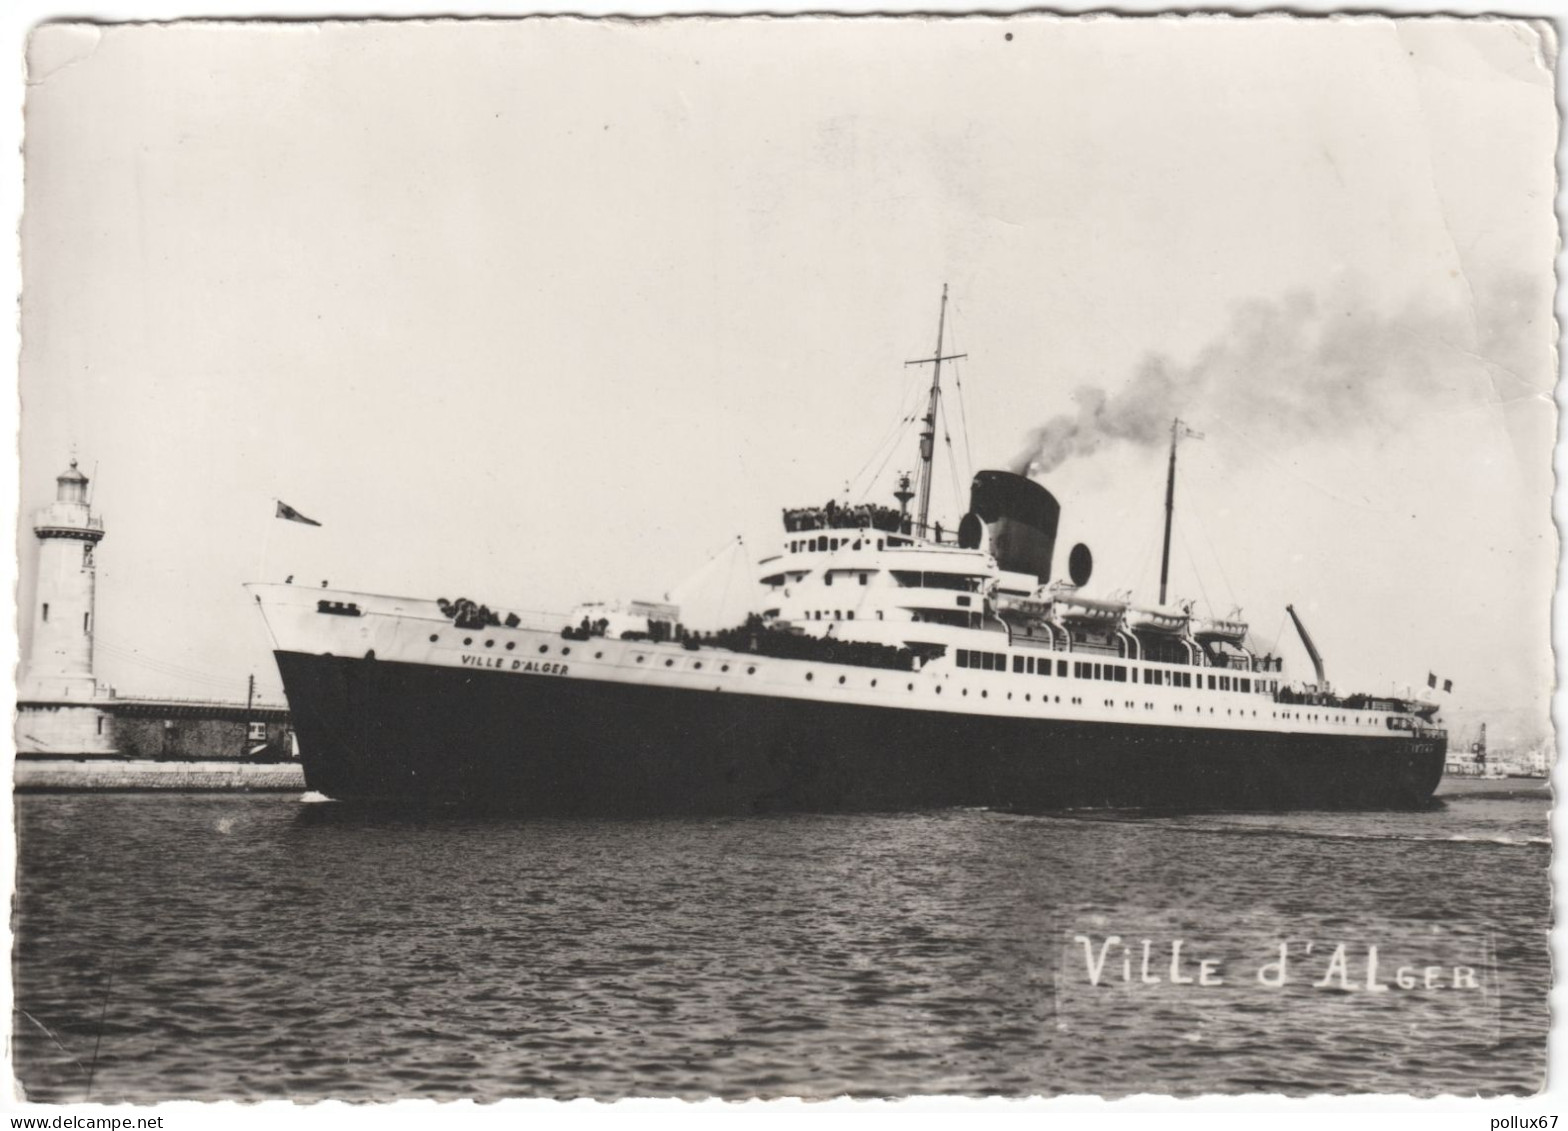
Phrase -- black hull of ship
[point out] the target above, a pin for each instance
(386, 733)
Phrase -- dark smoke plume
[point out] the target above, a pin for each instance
(1307, 366)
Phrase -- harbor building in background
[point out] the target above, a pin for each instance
(63, 711)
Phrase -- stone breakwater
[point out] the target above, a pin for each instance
(61, 775)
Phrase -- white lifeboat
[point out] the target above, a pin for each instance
(1229, 629)
(1032, 606)
(1072, 607)
(1168, 621)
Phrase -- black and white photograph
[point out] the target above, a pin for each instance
(997, 556)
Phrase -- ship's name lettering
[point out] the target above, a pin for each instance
(535, 667)
(1146, 962)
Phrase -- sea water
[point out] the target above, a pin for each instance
(244, 946)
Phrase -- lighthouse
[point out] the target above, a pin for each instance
(59, 697)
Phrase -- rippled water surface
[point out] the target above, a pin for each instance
(257, 947)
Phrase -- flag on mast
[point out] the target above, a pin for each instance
(287, 512)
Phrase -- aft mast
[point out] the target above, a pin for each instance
(1178, 429)
(928, 433)
(1170, 507)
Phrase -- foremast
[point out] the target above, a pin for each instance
(928, 422)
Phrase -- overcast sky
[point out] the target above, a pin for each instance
(548, 311)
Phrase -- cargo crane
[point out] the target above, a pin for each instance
(1317, 660)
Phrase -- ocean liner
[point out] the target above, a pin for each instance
(893, 665)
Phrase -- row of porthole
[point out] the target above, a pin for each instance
(1028, 696)
(671, 663)
(510, 645)
(566, 651)
(810, 676)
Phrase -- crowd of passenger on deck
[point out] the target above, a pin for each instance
(587, 629)
(470, 614)
(757, 637)
(833, 515)
(1313, 696)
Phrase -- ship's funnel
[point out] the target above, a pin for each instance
(1020, 517)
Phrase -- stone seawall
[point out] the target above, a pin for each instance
(63, 775)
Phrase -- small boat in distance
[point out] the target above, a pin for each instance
(893, 663)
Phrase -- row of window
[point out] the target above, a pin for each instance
(827, 545)
(1116, 673)
(1082, 669)
(1230, 683)
(1022, 665)
(927, 579)
(909, 579)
